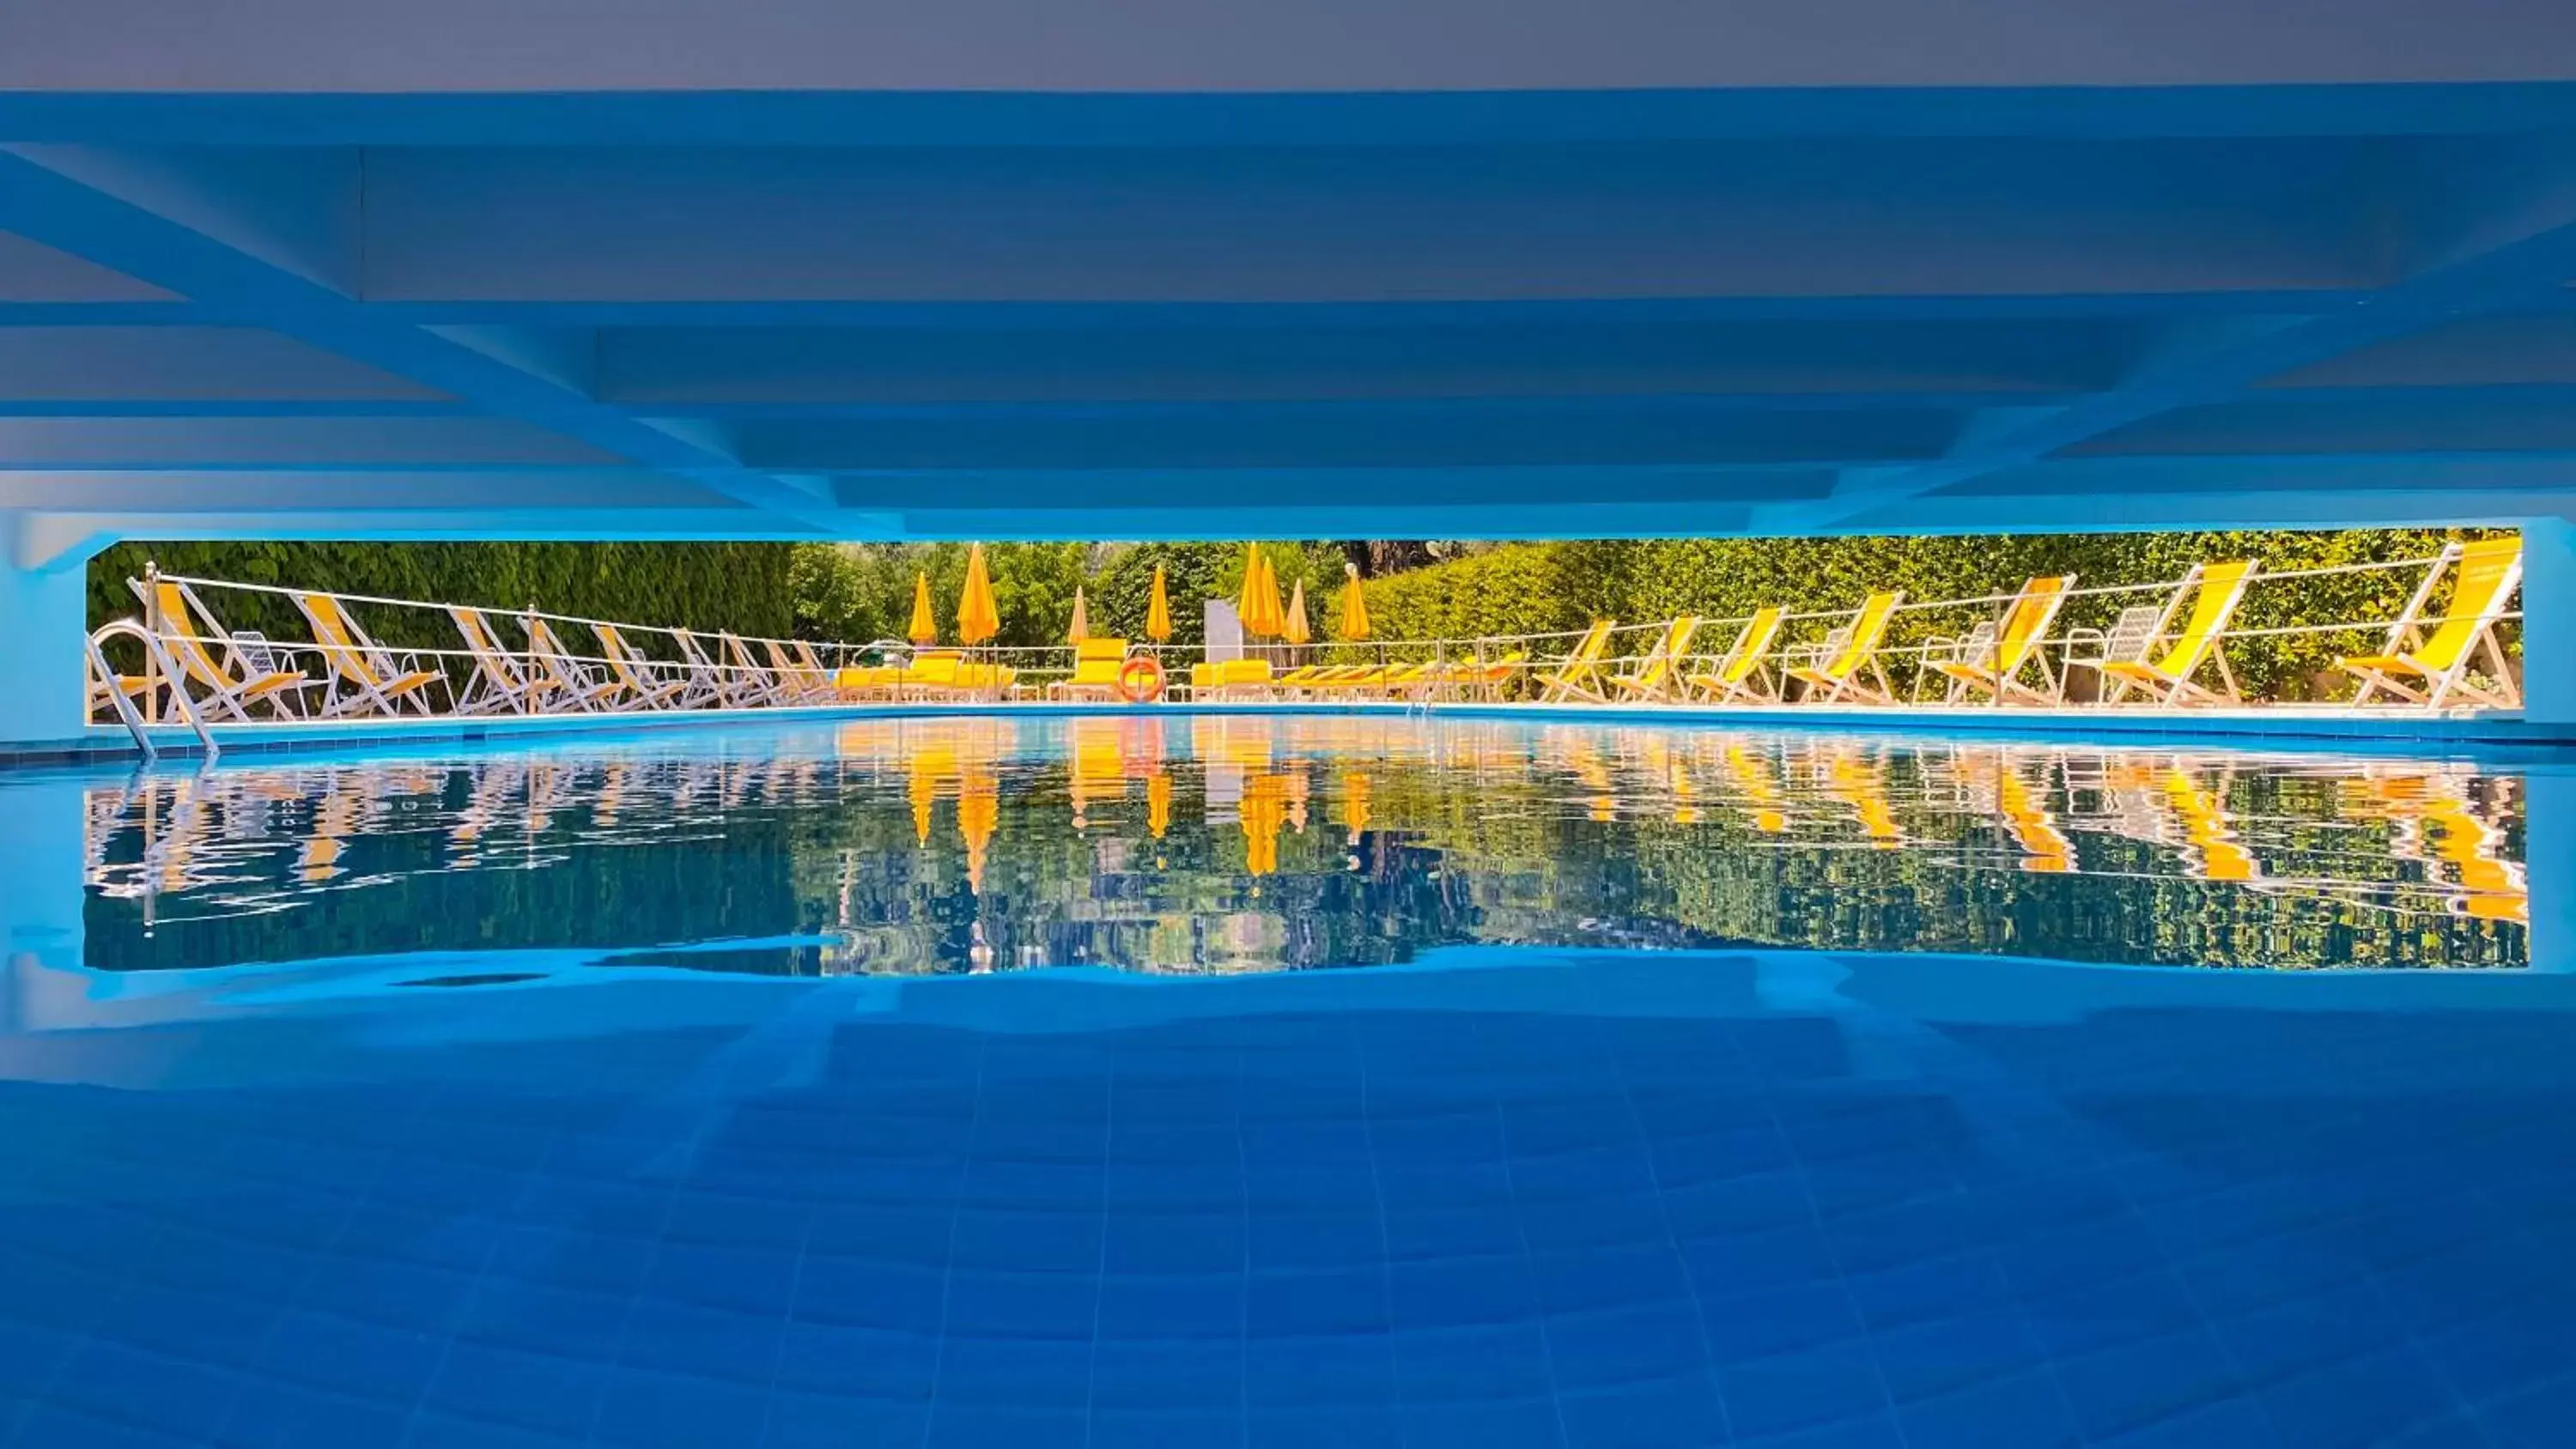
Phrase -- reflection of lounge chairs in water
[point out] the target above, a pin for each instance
(1996, 784)
(336, 817)
(2433, 823)
(1757, 779)
(2163, 803)
(1858, 778)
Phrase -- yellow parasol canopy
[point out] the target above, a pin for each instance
(1267, 616)
(1247, 607)
(1081, 628)
(1293, 628)
(1158, 613)
(1355, 620)
(925, 625)
(978, 618)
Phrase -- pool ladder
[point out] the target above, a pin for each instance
(166, 667)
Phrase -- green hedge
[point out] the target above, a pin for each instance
(739, 586)
(1547, 587)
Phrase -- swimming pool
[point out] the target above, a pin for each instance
(1558, 1085)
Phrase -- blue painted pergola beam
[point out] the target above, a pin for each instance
(43, 196)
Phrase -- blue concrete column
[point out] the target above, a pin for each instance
(2549, 695)
(43, 862)
(2549, 621)
(43, 622)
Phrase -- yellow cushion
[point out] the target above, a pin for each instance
(1246, 671)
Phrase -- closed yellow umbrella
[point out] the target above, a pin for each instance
(1158, 613)
(978, 618)
(1273, 617)
(1355, 620)
(925, 625)
(1081, 629)
(1248, 606)
(1293, 628)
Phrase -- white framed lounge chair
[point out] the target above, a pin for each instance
(1845, 667)
(2429, 659)
(500, 682)
(224, 686)
(2172, 677)
(365, 676)
(1744, 675)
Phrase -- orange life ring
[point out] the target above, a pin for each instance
(1140, 679)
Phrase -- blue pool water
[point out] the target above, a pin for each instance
(1674, 1089)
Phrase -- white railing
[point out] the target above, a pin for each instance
(348, 673)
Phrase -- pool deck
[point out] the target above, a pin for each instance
(2274, 726)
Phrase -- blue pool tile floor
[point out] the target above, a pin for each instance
(1676, 1216)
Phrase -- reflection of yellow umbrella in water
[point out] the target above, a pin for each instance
(925, 624)
(1354, 809)
(1158, 802)
(1355, 619)
(1263, 810)
(1158, 611)
(979, 813)
(978, 618)
(1293, 627)
(930, 763)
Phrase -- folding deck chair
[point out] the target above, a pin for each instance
(499, 682)
(1745, 672)
(2171, 678)
(228, 685)
(1993, 657)
(640, 681)
(374, 680)
(582, 686)
(1845, 665)
(2427, 668)
(1578, 675)
(1658, 675)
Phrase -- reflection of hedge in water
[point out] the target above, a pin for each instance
(1444, 861)
(640, 892)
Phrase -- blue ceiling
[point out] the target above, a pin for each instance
(337, 287)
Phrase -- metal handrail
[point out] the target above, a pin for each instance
(164, 667)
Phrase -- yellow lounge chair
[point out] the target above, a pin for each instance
(1231, 678)
(499, 681)
(796, 683)
(1845, 665)
(583, 687)
(1490, 676)
(1745, 672)
(2436, 665)
(932, 673)
(711, 683)
(2170, 679)
(1993, 657)
(756, 685)
(861, 681)
(191, 633)
(1657, 675)
(374, 680)
(1578, 675)
(1096, 663)
(639, 679)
